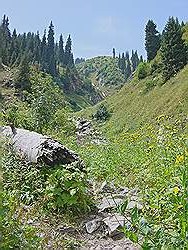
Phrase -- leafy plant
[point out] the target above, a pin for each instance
(67, 190)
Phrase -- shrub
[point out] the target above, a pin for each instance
(143, 70)
(102, 113)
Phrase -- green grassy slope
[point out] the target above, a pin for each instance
(133, 106)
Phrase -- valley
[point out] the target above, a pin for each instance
(109, 139)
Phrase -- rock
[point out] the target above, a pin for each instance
(103, 188)
(66, 229)
(124, 190)
(109, 202)
(133, 204)
(93, 225)
(114, 221)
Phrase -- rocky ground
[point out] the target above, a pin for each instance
(86, 132)
(101, 229)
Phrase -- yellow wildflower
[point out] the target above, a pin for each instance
(176, 190)
(179, 159)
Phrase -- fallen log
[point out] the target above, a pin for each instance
(36, 147)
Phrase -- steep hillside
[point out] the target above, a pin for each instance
(103, 73)
(135, 104)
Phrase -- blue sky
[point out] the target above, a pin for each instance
(96, 26)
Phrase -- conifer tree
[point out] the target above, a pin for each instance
(5, 40)
(123, 63)
(51, 63)
(68, 57)
(119, 61)
(43, 53)
(128, 69)
(141, 59)
(36, 52)
(114, 53)
(173, 49)
(61, 50)
(23, 81)
(152, 40)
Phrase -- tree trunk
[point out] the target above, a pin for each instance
(36, 147)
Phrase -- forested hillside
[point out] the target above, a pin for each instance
(108, 74)
(24, 52)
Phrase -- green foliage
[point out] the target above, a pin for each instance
(152, 40)
(102, 71)
(173, 49)
(143, 70)
(185, 33)
(59, 188)
(25, 180)
(68, 56)
(41, 52)
(150, 84)
(51, 63)
(102, 113)
(45, 100)
(15, 234)
(66, 189)
(23, 77)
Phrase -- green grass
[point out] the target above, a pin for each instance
(133, 106)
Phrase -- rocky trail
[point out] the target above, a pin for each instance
(98, 230)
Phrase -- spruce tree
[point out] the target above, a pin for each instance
(23, 81)
(61, 50)
(68, 57)
(51, 63)
(5, 40)
(123, 63)
(173, 49)
(36, 52)
(152, 40)
(141, 59)
(114, 53)
(134, 60)
(128, 70)
(119, 61)
(43, 53)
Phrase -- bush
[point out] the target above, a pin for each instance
(143, 70)
(102, 113)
